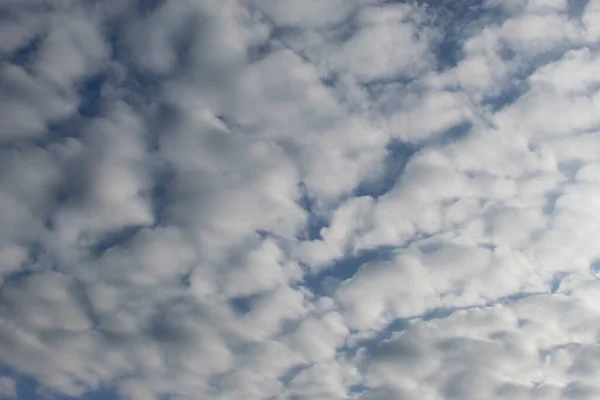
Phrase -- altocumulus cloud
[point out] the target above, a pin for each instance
(299, 199)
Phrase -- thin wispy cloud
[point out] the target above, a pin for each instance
(285, 199)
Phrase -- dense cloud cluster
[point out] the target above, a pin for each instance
(300, 199)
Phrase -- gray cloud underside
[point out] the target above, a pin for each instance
(282, 199)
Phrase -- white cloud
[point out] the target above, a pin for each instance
(312, 14)
(110, 180)
(73, 48)
(8, 388)
(299, 200)
(572, 74)
(590, 15)
(382, 49)
(28, 104)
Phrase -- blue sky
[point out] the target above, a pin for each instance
(282, 199)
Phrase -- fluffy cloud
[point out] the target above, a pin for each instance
(327, 200)
(8, 388)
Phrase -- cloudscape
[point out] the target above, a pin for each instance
(299, 199)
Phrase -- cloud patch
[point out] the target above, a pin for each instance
(299, 200)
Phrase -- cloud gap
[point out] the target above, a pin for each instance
(113, 239)
(399, 154)
(326, 282)
(23, 56)
(90, 91)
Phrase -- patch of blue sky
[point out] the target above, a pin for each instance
(326, 281)
(23, 55)
(90, 93)
(398, 155)
(29, 389)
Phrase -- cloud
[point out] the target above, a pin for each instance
(8, 388)
(299, 200)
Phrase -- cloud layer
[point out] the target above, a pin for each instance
(282, 199)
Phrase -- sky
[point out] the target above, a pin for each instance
(299, 199)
